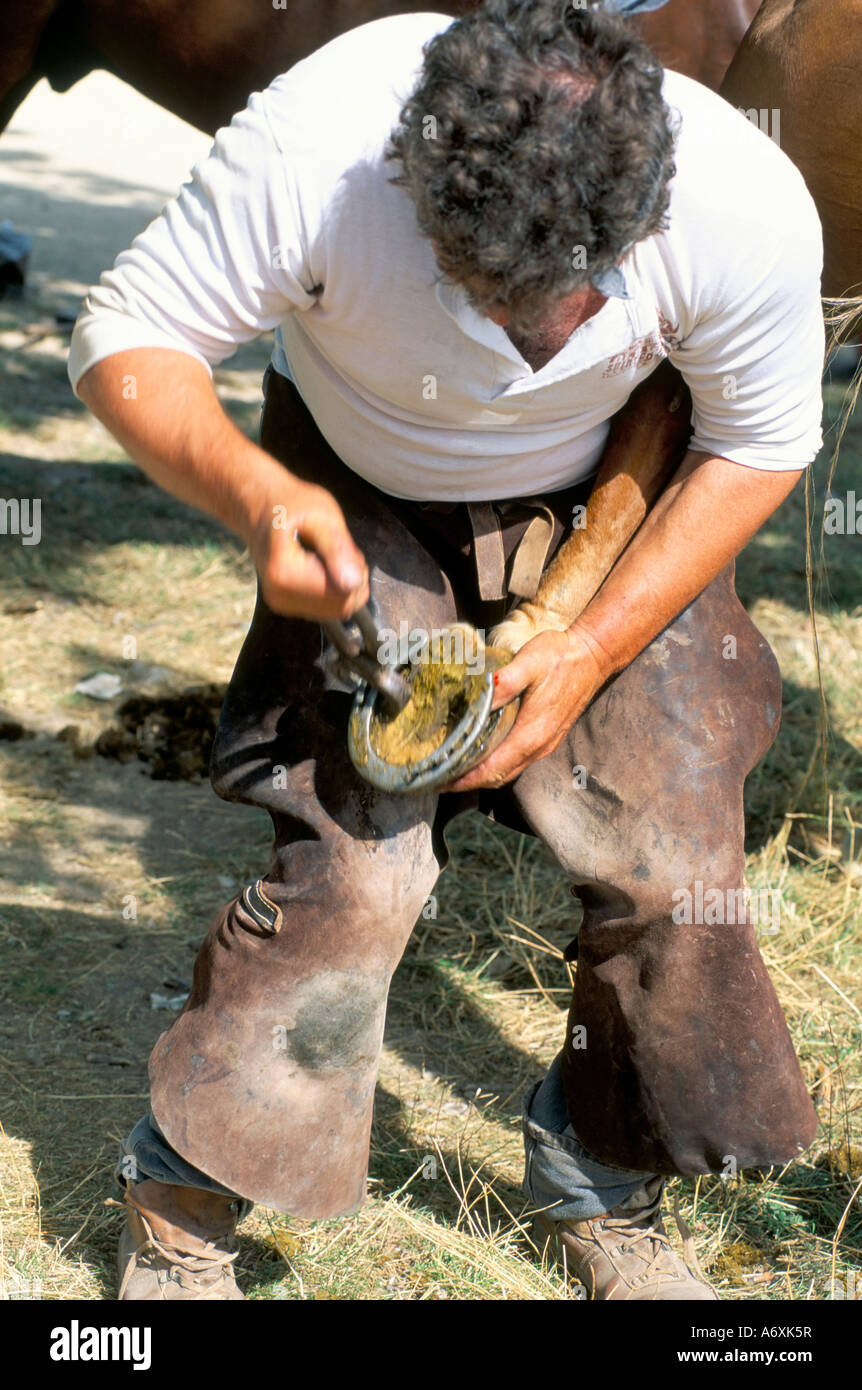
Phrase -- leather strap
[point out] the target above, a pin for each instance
(488, 548)
(529, 557)
(528, 561)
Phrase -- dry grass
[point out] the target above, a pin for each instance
(478, 1004)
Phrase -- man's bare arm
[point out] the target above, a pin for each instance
(708, 512)
(172, 425)
(705, 516)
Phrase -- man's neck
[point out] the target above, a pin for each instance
(542, 342)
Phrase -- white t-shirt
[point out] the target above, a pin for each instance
(291, 223)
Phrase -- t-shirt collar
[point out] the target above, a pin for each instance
(612, 283)
(454, 299)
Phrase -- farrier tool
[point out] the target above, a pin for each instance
(357, 643)
(383, 691)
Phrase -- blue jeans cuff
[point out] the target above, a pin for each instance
(561, 1178)
(147, 1154)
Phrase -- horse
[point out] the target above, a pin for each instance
(803, 59)
(201, 59)
(698, 39)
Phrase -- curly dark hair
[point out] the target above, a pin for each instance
(536, 147)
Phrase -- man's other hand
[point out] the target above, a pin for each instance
(556, 674)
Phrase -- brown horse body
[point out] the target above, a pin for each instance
(803, 58)
(698, 39)
(202, 58)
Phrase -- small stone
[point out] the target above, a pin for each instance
(102, 686)
(162, 1001)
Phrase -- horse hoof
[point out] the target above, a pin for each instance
(519, 626)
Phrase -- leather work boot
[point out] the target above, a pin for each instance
(159, 1260)
(625, 1254)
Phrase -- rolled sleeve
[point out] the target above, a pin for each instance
(224, 262)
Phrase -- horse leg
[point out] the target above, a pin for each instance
(647, 442)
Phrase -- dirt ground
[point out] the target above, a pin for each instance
(111, 870)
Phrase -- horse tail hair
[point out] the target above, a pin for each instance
(843, 319)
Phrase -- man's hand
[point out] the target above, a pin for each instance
(308, 564)
(559, 673)
(174, 427)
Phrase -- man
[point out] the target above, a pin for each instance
(460, 312)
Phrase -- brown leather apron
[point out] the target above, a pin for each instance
(265, 1081)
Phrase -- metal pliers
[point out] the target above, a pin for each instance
(356, 643)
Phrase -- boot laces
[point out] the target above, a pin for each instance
(643, 1240)
(191, 1271)
(645, 1226)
